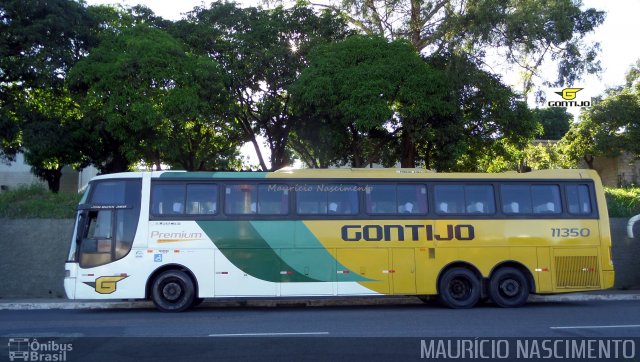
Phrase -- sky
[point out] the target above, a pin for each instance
(618, 37)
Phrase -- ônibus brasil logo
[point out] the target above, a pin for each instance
(569, 94)
(27, 349)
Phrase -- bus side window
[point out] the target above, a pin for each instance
(479, 199)
(546, 199)
(449, 199)
(516, 199)
(272, 200)
(412, 199)
(345, 196)
(578, 199)
(240, 199)
(443, 208)
(381, 199)
(310, 200)
(476, 208)
(168, 199)
(202, 199)
(512, 208)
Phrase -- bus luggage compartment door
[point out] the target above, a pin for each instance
(371, 269)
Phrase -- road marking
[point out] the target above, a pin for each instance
(267, 334)
(594, 327)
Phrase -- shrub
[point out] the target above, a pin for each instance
(623, 202)
(36, 201)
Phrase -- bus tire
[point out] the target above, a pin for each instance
(173, 291)
(509, 288)
(459, 288)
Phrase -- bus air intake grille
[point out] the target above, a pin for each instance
(577, 272)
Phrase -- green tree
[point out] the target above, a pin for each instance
(362, 96)
(489, 121)
(145, 98)
(524, 33)
(39, 42)
(555, 122)
(610, 126)
(49, 130)
(263, 51)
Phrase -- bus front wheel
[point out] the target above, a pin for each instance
(459, 288)
(173, 291)
(509, 288)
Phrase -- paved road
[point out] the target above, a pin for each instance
(309, 333)
(571, 319)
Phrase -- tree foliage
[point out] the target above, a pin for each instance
(263, 52)
(49, 133)
(610, 126)
(555, 122)
(145, 98)
(489, 121)
(444, 113)
(525, 33)
(39, 42)
(371, 94)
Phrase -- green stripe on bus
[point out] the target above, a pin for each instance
(243, 246)
(214, 175)
(300, 249)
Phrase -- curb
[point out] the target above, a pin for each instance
(296, 302)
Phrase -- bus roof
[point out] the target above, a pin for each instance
(360, 173)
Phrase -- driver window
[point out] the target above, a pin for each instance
(100, 225)
(95, 248)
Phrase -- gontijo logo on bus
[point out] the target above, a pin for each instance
(407, 232)
(174, 237)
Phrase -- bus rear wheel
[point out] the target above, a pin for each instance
(509, 288)
(173, 291)
(459, 288)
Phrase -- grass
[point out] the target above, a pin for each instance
(37, 202)
(623, 202)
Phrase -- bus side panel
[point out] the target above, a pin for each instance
(543, 275)
(372, 264)
(122, 279)
(311, 263)
(232, 281)
(576, 269)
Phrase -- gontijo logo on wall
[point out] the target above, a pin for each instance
(569, 94)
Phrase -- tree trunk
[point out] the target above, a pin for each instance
(408, 151)
(589, 160)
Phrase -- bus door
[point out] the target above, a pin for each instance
(403, 271)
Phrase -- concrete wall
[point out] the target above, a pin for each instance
(33, 253)
(32, 256)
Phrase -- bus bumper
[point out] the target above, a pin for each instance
(70, 270)
(608, 279)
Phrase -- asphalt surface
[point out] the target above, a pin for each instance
(37, 304)
(318, 329)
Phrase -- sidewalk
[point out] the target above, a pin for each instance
(39, 304)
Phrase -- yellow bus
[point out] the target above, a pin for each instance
(178, 237)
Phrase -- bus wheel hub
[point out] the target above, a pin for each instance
(510, 287)
(172, 291)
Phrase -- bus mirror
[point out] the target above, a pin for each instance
(631, 224)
